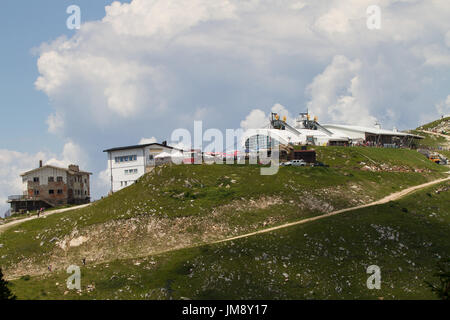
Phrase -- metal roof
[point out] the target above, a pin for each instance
(54, 167)
(139, 146)
(372, 130)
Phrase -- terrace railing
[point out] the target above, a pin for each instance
(22, 197)
(16, 198)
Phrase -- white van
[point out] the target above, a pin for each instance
(298, 163)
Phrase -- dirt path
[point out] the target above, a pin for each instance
(436, 134)
(391, 197)
(5, 226)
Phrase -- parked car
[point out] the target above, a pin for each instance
(298, 163)
(320, 164)
(285, 164)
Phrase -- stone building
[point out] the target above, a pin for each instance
(50, 186)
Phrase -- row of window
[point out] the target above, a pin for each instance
(131, 171)
(126, 183)
(60, 179)
(60, 191)
(78, 179)
(126, 158)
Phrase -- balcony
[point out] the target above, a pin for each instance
(16, 198)
(22, 198)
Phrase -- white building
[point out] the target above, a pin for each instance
(374, 134)
(306, 131)
(127, 164)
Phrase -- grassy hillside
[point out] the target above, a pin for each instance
(431, 141)
(325, 259)
(183, 206)
(440, 125)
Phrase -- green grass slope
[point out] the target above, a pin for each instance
(439, 125)
(431, 141)
(182, 206)
(324, 259)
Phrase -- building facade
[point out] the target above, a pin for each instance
(50, 186)
(310, 132)
(127, 164)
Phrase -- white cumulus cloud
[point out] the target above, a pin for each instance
(443, 107)
(336, 94)
(151, 66)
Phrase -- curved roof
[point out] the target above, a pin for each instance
(285, 137)
(282, 136)
(371, 130)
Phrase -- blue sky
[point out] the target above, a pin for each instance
(25, 25)
(140, 69)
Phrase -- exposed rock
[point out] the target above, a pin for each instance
(76, 242)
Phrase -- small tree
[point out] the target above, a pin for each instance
(5, 293)
(442, 290)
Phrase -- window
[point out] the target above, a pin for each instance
(60, 191)
(36, 192)
(51, 179)
(51, 191)
(36, 179)
(131, 171)
(59, 179)
(126, 158)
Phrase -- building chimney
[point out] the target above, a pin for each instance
(73, 167)
(164, 143)
(40, 163)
